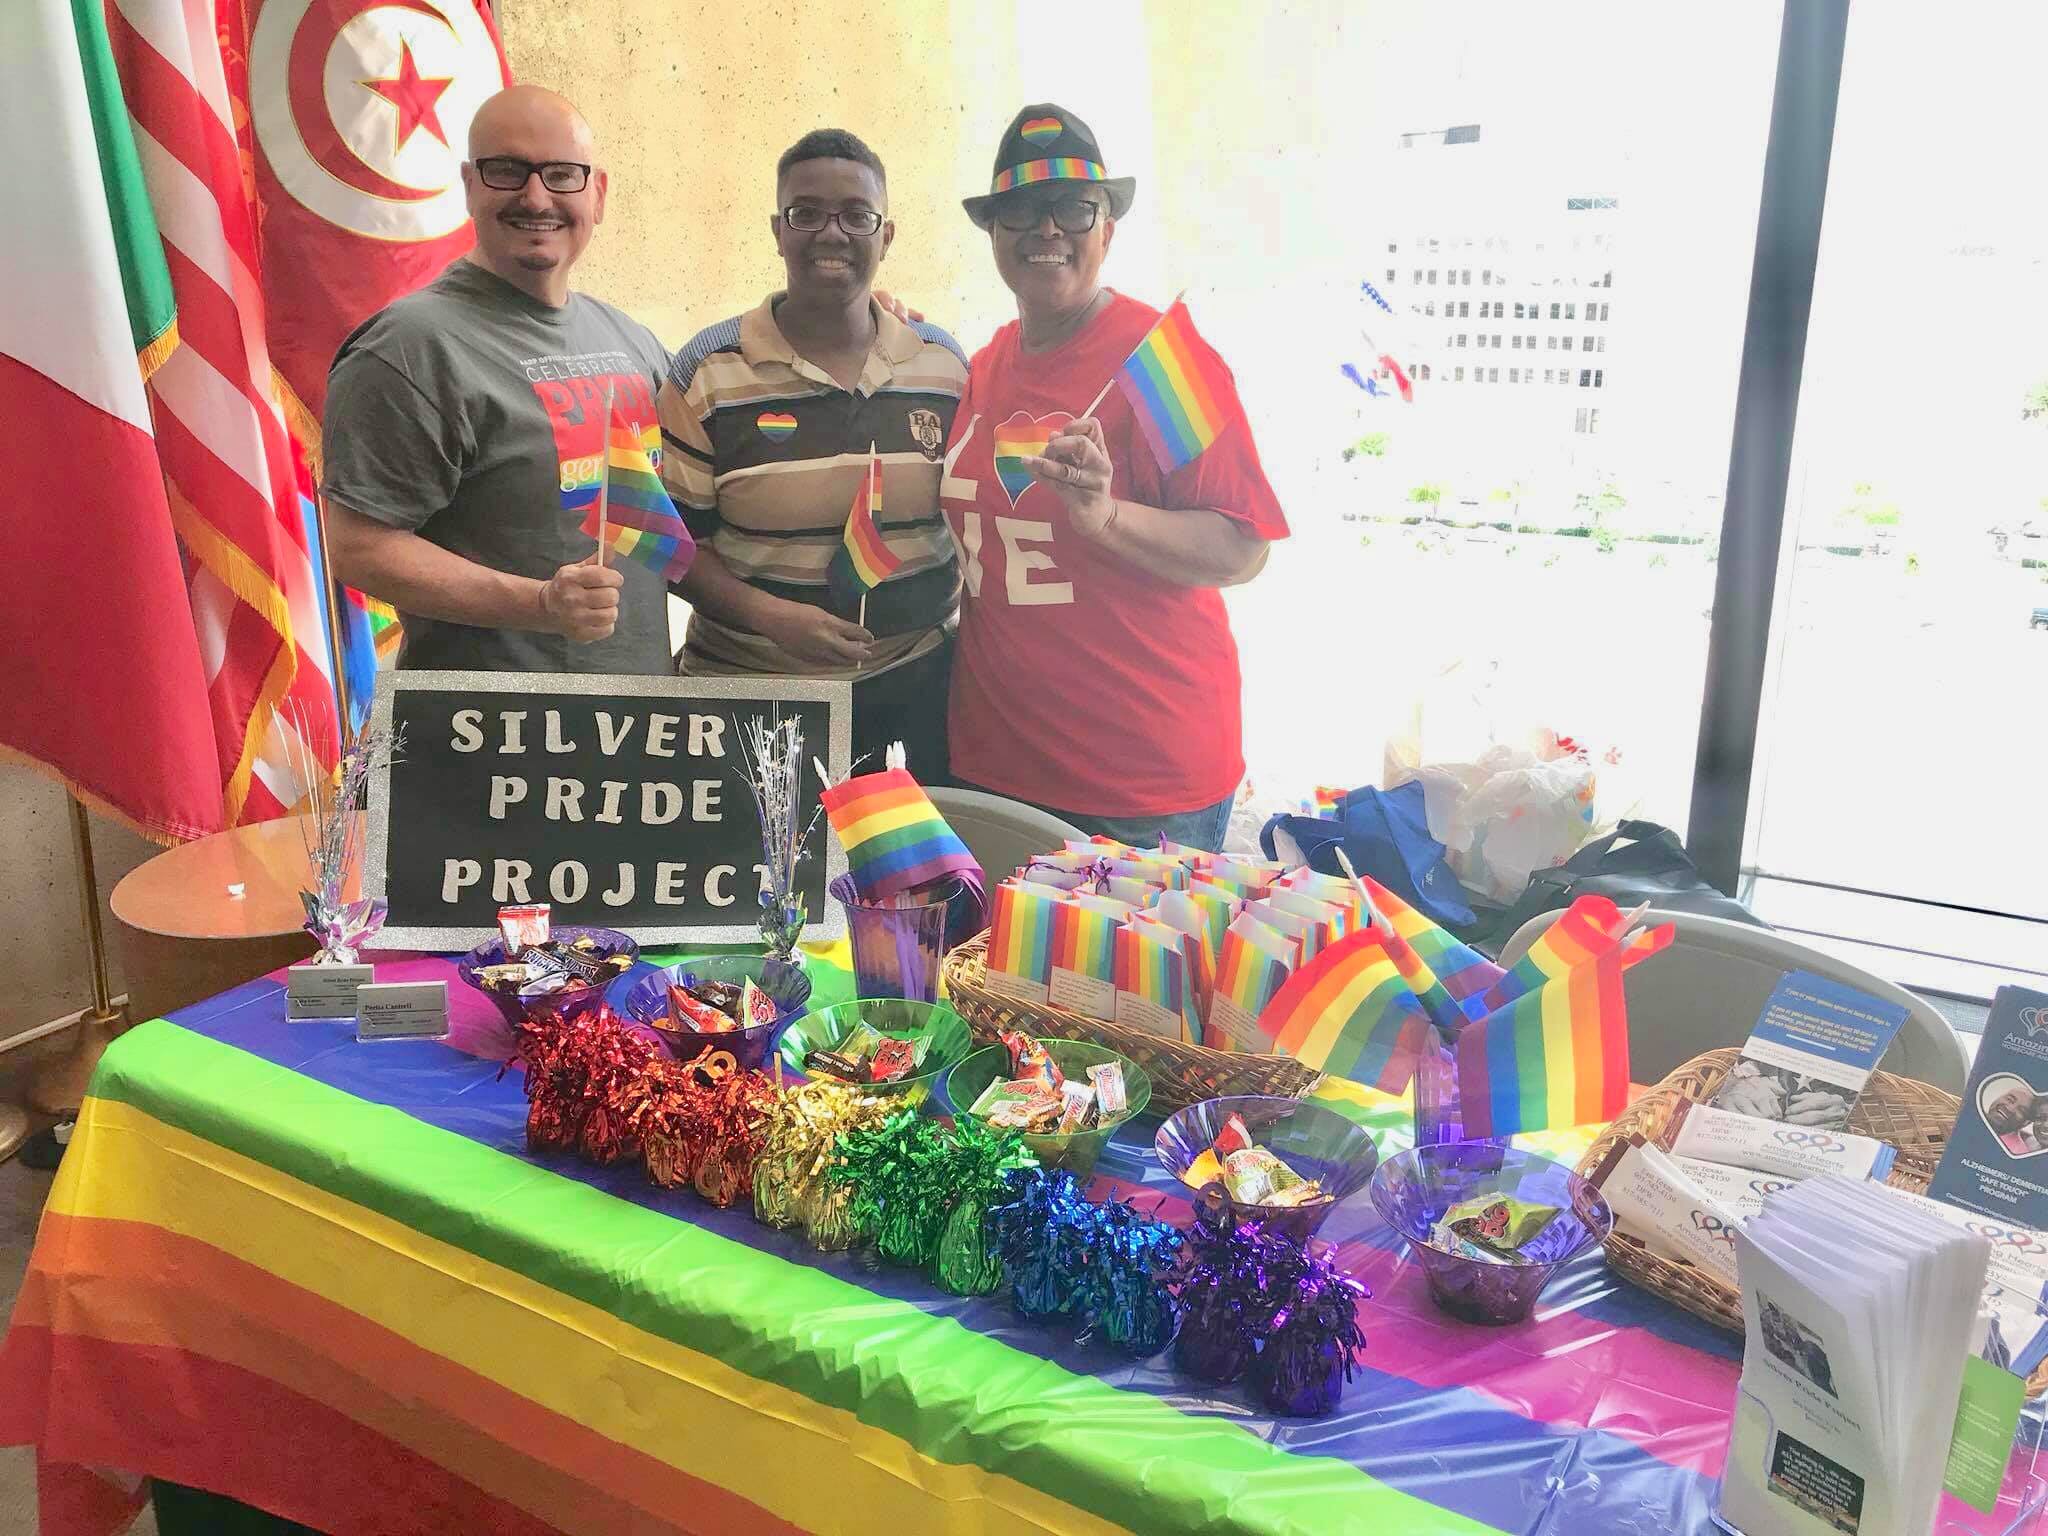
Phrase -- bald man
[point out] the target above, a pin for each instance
(465, 426)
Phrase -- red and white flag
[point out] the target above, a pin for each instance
(361, 114)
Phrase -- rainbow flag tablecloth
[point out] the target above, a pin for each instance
(325, 1278)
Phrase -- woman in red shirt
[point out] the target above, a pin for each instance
(1096, 675)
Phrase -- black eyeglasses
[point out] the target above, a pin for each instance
(1075, 215)
(809, 219)
(507, 173)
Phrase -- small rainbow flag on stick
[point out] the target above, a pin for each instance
(1590, 927)
(630, 513)
(1349, 1011)
(864, 561)
(1177, 387)
(894, 836)
(1556, 1056)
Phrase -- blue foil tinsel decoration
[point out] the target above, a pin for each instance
(1102, 1265)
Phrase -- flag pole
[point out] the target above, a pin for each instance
(60, 1086)
(604, 473)
(332, 608)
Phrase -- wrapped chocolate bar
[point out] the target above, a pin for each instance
(1077, 1109)
(689, 1010)
(1252, 1175)
(1107, 1078)
(1030, 1062)
(1018, 1106)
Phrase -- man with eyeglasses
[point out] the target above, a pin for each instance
(768, 417)
(466, 430)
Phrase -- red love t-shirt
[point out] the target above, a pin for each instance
(1082, 681)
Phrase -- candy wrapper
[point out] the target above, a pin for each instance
(524, 927)
(1494, 1228)
(1030, 1062)
(867, 1055)
(1252, 1175)
(1102, 1265)
(1018, 1106)
(1107, 1078)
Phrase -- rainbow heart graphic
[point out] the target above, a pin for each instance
(1043, 130)
(776, 426)
(1020, 438)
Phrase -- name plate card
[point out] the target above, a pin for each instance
(402, 1010)
(324, 991)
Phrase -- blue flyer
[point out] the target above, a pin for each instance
(1996, 1161)
(1813, 1048)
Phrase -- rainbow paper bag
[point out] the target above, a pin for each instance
(1194, 858)
(1255, 962)
(1037, 872)
(1252, 888)
(1155, 979)
(1177, 910)
(1334, 889)
(1218, 908)
(1020, 939)
(1100, 847)
(1084, 931)
(1131, 891)
(1312, 933)
(1152, 869)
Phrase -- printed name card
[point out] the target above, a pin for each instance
(323, 991)
(402, 1010)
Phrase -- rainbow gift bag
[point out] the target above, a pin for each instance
(1133, 891)
(1152, 869)
(1334, 889)
(1314, 932)
(1253, 963)
(1155, 979)
(1020, 939)
(1083, 976)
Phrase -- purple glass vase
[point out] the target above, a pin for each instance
(896, 949)
(1439, 1114)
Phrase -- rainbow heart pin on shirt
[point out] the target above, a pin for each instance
(776, 426)
(1020, 438)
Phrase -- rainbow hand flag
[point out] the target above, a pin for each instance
(1585, 931)
(640, 521)
(1554, 1057)
(895, 838)
(1446, 975)
(864, 560)
(1178, 389)
(1350, 1012)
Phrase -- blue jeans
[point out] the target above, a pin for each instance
(1195, 829)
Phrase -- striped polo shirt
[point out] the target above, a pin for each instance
(765, 451)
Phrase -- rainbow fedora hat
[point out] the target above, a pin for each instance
(1048, 143)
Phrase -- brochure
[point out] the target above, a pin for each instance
(1812, 1050)
(1858, 1309)
(1996, 1161)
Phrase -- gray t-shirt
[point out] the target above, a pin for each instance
(461, 412)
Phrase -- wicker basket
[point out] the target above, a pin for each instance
(1912, 1116)
(1182, 1074)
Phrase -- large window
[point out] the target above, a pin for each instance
(1901, 792)
(1453, 539)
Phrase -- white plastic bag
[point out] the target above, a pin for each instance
(1505, 814)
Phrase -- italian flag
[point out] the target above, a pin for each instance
(103, 685)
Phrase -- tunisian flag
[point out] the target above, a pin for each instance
(361, 112)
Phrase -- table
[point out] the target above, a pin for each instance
(183, 937)
(326, 1278)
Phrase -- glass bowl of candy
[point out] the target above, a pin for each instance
(1066, 1096)
(883, 1045)
(564, 972)
(705, 1004)
(1489, 1224)
(1282, 1162)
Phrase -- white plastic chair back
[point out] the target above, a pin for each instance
(1001, 834)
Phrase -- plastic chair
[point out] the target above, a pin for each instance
(1708, 988)
(1001, 834)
